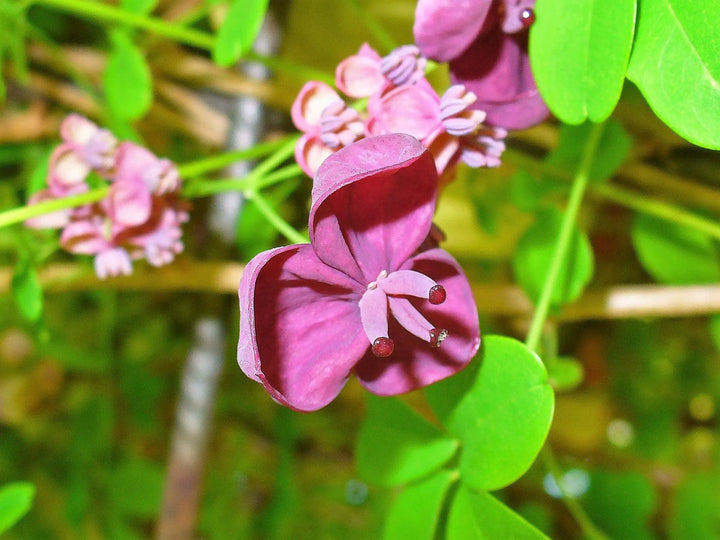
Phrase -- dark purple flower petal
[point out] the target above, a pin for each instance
(443, 29)
(300, 329)
(373, 204)
(496, 68)
(414, 363)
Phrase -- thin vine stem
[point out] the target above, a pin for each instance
(213, 163)
(534, 335)
(577, 512)
(577, 191)
(287, 230)
(18, 215)
(623, 196)
(211, 187)
(376, 29)
(95, 11)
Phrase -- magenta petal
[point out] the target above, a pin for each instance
(407, 109)
(309, 104)
(443, 29)
(300, 329)
(373, 203)
(84, 237)
(496, 68)
(359, 76)
(129, 203)
(414, 363)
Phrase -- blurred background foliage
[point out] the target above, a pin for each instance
(90, 377)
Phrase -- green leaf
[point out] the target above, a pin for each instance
(612, 150)
(27, 291)
(239, 30)
(696, 508)
(15, 501)
(479, 515)
(527, 192)
(500, 408)
(621, 504)
(676, 66)
(565, 373)
(127, 79)
(579, 51)
(672, 254)
(395, 445)
(416, 510)
(534, 254)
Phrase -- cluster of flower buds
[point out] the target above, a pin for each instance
(399, 100)
(141, 215)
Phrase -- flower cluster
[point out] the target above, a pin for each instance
(371, 294)
(139, 218)
(486, 43)
(399, 100)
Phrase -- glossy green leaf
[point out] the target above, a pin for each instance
(15, 501)
(565, 373)
(500, 407)
(239, 30)
(621, 504)
(127, 79)
(477, 515)
(534, 254)
(612, 150)
(579, 51)
(396, 445)
(672, 254)
(676, 65)
(416, 510)
(27, 291)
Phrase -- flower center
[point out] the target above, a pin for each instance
(340, 125)
(388, 295)
(403, 65)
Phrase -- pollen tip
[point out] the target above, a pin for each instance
(383, 347)
(527, 17)
(437, 294)
(437, 336)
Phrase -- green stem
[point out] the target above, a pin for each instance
(202, 166)
(577, 512)
(104, 12)
(657, 208)
(577, 191)
(265, 167)
(18, 215)
(275, 219)
(561, 247)
(211, 187)
(625, 197)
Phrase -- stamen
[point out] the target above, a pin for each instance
(383, 347)
(437, 335)
(527, 17)
(437, 294)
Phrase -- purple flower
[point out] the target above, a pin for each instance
(485, 42)
(364, 297)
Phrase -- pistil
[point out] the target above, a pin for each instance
(388, 294)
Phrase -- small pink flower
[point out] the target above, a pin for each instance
(137, 163)
(326, 122)
(67, 171)
(53, 220)
(95, 146)
(366, 73)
